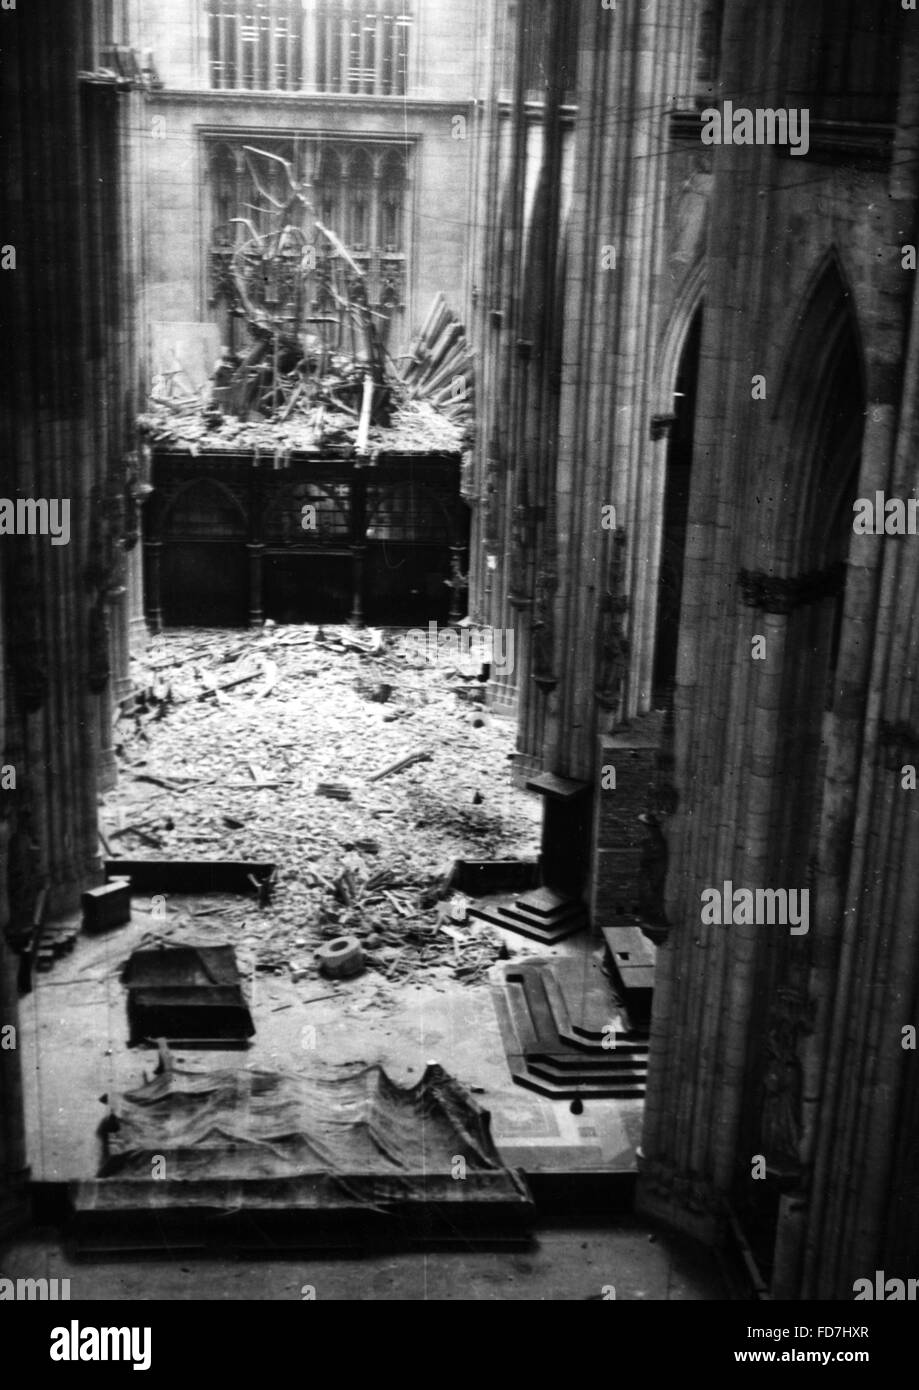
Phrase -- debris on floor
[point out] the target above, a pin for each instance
(362, 815)
(341, 958)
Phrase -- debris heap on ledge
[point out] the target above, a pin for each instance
(315, 374)
(416, 427)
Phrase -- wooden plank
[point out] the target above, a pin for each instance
(188, 875)
(363, 430)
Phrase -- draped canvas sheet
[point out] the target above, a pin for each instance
(257, 1123)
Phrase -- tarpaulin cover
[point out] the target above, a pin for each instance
(263, 1124)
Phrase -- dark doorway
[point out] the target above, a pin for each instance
(676, 507)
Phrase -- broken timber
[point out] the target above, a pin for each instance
(401, 765)
(190, 875)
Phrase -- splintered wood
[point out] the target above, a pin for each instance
(363, 815)
(416, 427)
(439, 367)
(305, 382)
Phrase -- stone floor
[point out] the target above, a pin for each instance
(562, 1264)
(75, 1055)
(75, 1050)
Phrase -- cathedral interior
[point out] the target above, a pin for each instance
(453, 672)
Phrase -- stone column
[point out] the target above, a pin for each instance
(256, 557)
(358, 544)
(14, 1170)
(154, 552)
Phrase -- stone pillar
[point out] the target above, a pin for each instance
(760, 1039)
(153, 550)
(138, 634)
(256, 557)
(458, 583)
(358, 544)
(14, 1170)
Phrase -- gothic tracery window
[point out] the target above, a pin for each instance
(356, 189)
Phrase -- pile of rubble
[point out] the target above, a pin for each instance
(415, 427)
(314, 372)
(361, 771)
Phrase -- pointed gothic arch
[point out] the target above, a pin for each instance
(799, 506)
(675, 424)
(816, 434)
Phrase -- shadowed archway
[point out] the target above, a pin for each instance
(675, 512)
(803, 499)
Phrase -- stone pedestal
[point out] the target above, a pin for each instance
(565, 847)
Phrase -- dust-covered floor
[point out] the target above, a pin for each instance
(629, 1262)
(234, 775)
(246, 749)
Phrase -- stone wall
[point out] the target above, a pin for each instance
(764, 1045)
(66, 437)
(436, 111)
(783, 769)
(596, 220)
